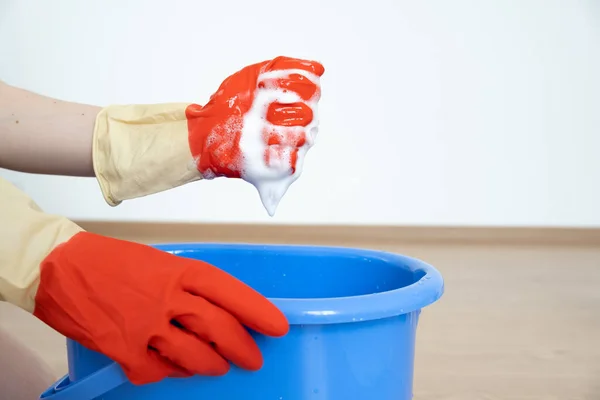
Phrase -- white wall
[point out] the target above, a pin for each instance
(433, 112)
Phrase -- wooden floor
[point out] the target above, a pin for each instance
(516, 322)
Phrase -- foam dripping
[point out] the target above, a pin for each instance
(272, 181)
(271, 193)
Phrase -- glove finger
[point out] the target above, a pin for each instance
(189, 352)
(291, 136)
(300, 84)
(282, 62)
(149, 370)
(181, 374)
(174, 371)
(283, 144)
(246, 304)
(216, 326)
(297, 114)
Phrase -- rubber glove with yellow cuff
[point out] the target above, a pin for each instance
(120, 298)
(257, 126)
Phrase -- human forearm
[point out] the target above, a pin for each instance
(133, 150)
(43, 135)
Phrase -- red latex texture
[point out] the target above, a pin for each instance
(215, 128)
(120, 298)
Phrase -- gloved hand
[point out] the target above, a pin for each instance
(259, 123)
(119, 298)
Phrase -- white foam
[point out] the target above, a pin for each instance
(273, 181)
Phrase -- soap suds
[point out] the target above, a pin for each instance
(272, 179)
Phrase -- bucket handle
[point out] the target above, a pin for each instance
(88, 388)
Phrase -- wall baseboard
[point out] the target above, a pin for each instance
(149, 232)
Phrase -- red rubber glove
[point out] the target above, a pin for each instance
(257, 126)
(120, 298)
(215, 128)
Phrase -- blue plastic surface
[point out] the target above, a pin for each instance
(353, 316)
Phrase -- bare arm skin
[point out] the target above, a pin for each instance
(42, 135)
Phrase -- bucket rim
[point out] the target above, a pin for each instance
(351, 309)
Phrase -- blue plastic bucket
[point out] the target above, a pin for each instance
(353, 316)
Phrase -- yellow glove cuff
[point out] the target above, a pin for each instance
(142, 149)
(27, 236)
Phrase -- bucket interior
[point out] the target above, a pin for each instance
(306, 273)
